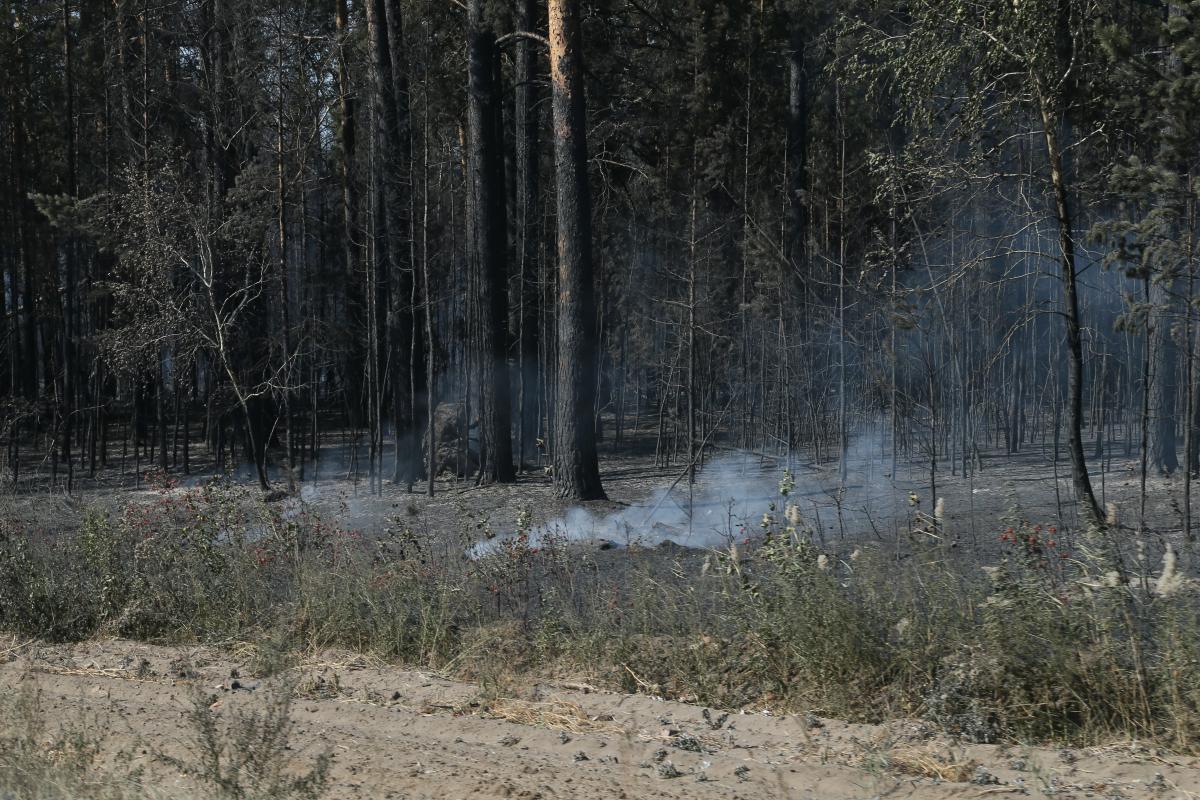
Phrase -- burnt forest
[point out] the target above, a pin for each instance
(599, 398)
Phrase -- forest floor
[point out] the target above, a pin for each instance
(733, 489)
(396, 733)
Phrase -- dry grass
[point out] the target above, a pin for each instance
(1039, 647)
(318, 684)
(345, 660)
(926, 761)
(43, 762)
(11, 647)
(96, 672)
(559, 715)
(240, 756)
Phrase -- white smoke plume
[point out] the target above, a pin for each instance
(727, 504)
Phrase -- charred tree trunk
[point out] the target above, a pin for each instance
(281, 220)
(797, 146)
(490, 250)
(351, 250)
(526, 119)
(160, 413)
(1166, 292)
(68, 299)
(401, 340)
(25, 237)
(576, 465)
(390, 237)
(1080, 480)
(431, 465)
(1164, 353)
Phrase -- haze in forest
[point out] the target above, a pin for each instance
(272, 233)
(508, 358)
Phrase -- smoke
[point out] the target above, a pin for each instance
(718, 507)
(728, 500)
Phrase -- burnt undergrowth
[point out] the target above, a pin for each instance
(1054, 636)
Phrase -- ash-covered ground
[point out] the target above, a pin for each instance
(649, 504)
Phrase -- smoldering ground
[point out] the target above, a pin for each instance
(731, 495)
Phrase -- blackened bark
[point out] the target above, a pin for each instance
(68, 247)
(1166, 293)
(526, 120)
(1164, 351)
(797, 146)
(576, 465)
(490, 250)
(1081, 481)
(400, 282)
(351, 249)
(160, 414)
(281, 219)
(392, 240)
(24, 217)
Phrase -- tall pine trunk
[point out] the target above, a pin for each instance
(68, 299)
(401, 339)
(351, 250)
(797, 145)
(526, 121)
(1166, 295)
(490, 250)
(576, 465)
(391, 238)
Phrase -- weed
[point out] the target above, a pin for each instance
(37, 763)
(1049, 641)
(244, 754)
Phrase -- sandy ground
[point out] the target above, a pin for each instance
(403, 734)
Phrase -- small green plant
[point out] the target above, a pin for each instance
(37, 763)
(245, 755)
